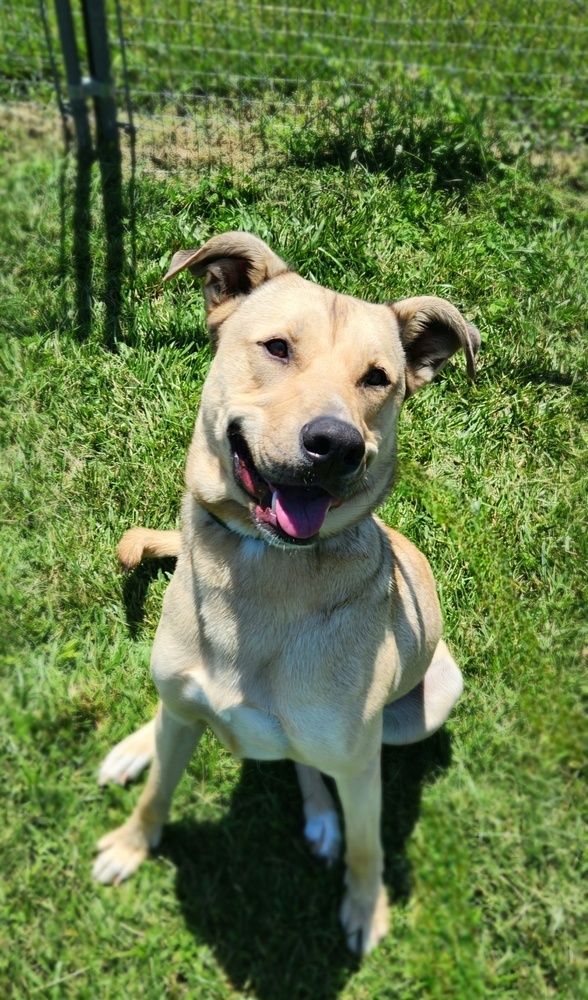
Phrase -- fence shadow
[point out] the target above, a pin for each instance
(81, 255)
(270, 912)
(113, 211)
(118, 226)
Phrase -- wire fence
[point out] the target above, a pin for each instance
(236, 82)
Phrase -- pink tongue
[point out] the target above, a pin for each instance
(300, 512)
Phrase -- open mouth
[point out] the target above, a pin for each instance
(293, 514)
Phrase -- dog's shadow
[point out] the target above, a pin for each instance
(135, 586)
(269, 911)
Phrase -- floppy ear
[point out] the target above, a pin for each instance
(233, 264)
(431, 330)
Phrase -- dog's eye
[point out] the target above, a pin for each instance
(277, 348)
(375, 377)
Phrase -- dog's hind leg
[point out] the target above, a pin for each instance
(141, 543)
(129, 757)
(123, 850)
(322, 829)
(423, 710)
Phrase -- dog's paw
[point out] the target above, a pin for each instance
(121, 852)
(129, 757)
(365, 921)
(323, 834)
(130, 549)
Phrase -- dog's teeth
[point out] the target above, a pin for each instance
(274, 498)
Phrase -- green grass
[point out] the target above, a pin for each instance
(197, 58)
(101, 374)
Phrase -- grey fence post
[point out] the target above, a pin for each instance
(101, 88)
(75, 86)
(98, 85)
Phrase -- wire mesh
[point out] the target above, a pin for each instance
(236, 82)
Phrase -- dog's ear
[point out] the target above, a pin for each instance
(431, 330)
(232, 264)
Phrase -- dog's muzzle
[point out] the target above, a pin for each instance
(291, 505)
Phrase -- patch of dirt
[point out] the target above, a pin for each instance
(165, 143)
(568, 170)
(168, 144)
(26, 126)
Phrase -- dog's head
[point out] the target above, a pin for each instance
(296, 436)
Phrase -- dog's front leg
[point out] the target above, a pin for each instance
(364, 913)
(123, 850)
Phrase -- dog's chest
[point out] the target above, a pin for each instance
(262, 707)
(267, 659)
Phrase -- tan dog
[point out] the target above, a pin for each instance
(296, 623)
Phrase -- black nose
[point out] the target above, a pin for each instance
(332, 444)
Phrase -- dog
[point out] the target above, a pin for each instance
(296, 625)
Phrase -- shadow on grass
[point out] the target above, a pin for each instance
(135, 587)
(81, 256)
(533, 373)
(118, 221)
(250, 890)
(404, 131)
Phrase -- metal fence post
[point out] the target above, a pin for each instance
(75, 86)
(98, 85)
(100, 88)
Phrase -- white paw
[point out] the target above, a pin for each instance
(121, 853)
(365, 921)
(129, 757)
(121, 768)
(323, 834)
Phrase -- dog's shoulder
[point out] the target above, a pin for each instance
(406, 555)
(415, 609)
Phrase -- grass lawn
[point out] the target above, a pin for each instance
(101, 371)
(527, 57)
